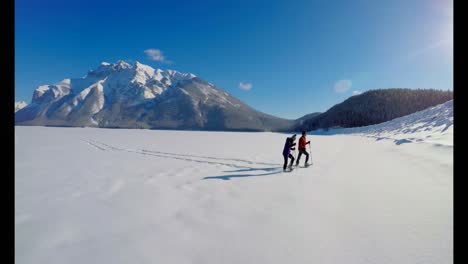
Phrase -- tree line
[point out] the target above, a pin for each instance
(376, 106)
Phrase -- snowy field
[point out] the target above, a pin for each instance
(85, 195)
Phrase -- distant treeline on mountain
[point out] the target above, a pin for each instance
(376, 106)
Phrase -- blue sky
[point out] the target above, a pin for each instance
(286, 58)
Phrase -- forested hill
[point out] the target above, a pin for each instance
(376, 106)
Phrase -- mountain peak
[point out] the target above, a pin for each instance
(179, 75)
(121, 65)
(146, 68)
(20, 105)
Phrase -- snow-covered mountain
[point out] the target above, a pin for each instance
(139, 96)
(432, 125)
(20, 105)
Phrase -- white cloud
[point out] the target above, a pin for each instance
(156, 55)
(342, 86)
(357, 92)
(245, 86)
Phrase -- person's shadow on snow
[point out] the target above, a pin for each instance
(270, 171)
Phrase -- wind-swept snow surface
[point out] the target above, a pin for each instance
(86, 195)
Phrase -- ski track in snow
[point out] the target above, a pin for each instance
(204, 159)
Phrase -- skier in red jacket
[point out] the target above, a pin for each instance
(302, 149)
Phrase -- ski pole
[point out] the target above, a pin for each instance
(310, 151)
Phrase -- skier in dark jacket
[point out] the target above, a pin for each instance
(302, 149)
(288, 146)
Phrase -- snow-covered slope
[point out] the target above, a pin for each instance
(138, 96)
(87, 195)
(433, 125)
(376, 106)
(20, 105)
